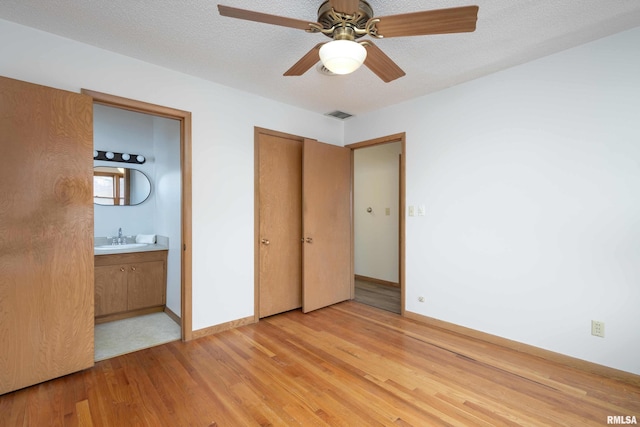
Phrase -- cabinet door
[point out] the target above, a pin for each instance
(146, 284)
(46, 233)
(111, 289)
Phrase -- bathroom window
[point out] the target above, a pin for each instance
(109, 187)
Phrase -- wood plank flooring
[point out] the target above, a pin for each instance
(378, 295)
(346, 365)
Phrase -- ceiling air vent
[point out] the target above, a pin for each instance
(324, 70)
(339, 115)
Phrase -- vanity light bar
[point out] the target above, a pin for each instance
(110, 156)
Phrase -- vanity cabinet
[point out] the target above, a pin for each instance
(129, 284)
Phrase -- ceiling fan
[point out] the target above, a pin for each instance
(347, 20)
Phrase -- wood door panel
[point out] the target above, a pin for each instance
(326, 190)
(110, 289)
(280, 212)
(146, 285)
(46, 233)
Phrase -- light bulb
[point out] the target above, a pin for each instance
(125, 156)
(140, 158)
(109, 155)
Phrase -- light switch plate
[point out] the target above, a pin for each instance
(421, 210)
(412, 211)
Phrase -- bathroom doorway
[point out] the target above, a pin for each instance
(378, 216)
(162, 135)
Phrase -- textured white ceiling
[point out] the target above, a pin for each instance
(191, 37)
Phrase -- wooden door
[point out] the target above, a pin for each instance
(326, 213)
(280, 223)
(46, 233)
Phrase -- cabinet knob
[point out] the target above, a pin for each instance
(309, 240)
(121, 268)
(133, 269)
(265, 241)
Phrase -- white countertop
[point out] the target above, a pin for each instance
(116, 250)
(162, 244)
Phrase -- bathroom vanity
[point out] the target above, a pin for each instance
(130, 282)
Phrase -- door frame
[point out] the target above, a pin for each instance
(184, 117)
(398, 137)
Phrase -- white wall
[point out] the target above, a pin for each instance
(222, 132)
(376, 186)
(531, 180)
(167, 184)
(124, 132)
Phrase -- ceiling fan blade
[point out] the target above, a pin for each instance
(442, 21)
(383, 66)
(249, 15)
(307, 61)
(345, 6)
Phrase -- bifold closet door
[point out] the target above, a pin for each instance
(46, 233)
(304, 238)
(326, 215)
(280, 223)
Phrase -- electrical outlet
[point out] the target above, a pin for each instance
(597, 328)
(421, 299)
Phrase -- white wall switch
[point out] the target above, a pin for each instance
(421, 210)
(412, 211)
(387, 211)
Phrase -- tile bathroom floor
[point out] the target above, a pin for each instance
(132, 334)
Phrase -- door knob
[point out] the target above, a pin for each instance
(309, 240)
(265, 241)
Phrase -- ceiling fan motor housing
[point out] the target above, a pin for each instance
(329, 18)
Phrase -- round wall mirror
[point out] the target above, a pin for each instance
(119, 186)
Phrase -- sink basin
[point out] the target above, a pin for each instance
(125, 246)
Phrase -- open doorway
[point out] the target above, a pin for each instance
(378, 215)
(165, 214)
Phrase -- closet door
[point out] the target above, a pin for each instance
(46, 234)
(326, 212)
(280, 223)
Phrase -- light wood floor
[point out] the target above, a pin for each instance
(349, 364)
(377, 295)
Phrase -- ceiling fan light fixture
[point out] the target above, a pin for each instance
(342, 56)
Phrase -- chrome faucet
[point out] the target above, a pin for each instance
(120, 242)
